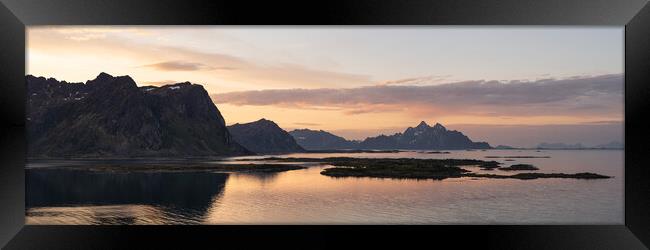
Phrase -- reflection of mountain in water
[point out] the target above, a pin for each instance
(180, 191)
(256, 178)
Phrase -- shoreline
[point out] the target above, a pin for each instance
(255, 168)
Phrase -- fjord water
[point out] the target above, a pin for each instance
(56, 196)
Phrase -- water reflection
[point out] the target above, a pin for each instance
(185, 196)
(304, 196)
(259, 178)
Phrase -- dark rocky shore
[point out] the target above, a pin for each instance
(179, 167)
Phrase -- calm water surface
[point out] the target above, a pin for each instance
(305, 196)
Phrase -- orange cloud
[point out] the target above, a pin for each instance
(599, 96)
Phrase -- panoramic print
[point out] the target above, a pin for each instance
(324, 125)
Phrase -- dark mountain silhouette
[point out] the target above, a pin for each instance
(423, 137)
(111, 117)
(264, 136)
(320, 140)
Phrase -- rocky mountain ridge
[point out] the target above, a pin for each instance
(113, 117)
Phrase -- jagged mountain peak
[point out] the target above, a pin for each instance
(423, 137)
(103, 75)
(105, 80)
(423, 124)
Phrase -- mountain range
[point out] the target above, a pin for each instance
(422, 136)
(111, 116)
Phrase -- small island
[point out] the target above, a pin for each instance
(517, 167)
(435, 152)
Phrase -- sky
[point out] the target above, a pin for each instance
(516, 86)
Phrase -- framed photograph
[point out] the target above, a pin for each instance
(492, 124)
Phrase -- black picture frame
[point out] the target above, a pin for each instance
(633, 14)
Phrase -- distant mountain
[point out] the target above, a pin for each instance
(264, 136)
(111, 117)
(611, 145)
(321, 140)
(423, 136)
(545, 145)
(504, 147)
